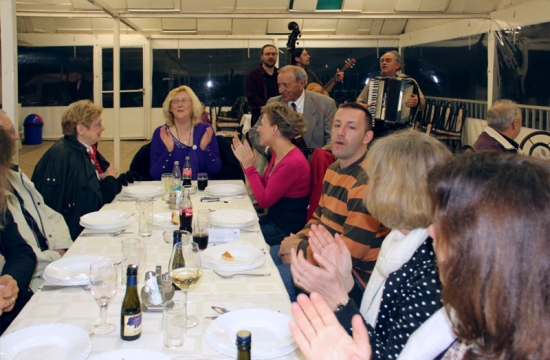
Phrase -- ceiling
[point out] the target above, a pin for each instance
(153, 18)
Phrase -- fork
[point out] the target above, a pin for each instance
(229, 276)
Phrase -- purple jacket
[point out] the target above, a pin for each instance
(207, 161)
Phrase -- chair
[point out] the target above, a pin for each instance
(226, 124)
(320, 161)
(537, 144)
(142, 161)
(448, 123)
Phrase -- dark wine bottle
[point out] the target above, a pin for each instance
(130, 313)
(244, 342)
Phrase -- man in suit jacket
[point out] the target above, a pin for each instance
(318, 109)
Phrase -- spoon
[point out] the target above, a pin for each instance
(219, 309)
(114, 233)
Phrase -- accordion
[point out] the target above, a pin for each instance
(388, 97)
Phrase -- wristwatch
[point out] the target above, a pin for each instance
(341, 305)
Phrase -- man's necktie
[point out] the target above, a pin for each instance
(294, 106)
(93, 157)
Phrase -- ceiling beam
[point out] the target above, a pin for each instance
(247, 15)
(115, 15)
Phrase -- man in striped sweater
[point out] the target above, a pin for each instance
(341, 209)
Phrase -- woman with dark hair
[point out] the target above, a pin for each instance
(285, 185)
(492, 240)
(184, 135)
(20, 260)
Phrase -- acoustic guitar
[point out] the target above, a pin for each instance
(349, 63)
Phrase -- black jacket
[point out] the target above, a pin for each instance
(20, 264)
(67, 180)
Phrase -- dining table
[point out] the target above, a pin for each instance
(76, 306)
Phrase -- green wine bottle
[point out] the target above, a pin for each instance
(130, 313)
(244, 342)
(177, 261)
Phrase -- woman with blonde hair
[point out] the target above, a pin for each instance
(404, 289)
(184, 135)
(285, 185)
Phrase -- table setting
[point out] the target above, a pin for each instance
(247, 281)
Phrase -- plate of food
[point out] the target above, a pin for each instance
(233, 257)
(167, 220)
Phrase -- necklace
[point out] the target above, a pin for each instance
(190, 135)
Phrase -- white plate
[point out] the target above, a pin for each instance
(105, 218)
(131, 354)
(104, 228)
(46, 342)
(269, 328)
(225, 189)
(233, 218)
(142, 190)
(243, 256)
(164, 221)
(73, 270)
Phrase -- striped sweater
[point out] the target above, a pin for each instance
(341, 210)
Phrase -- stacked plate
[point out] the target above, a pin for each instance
(142, 191)
(271, 337)
(51, 341)
(70, 271)
(164, 221)
(232, 257)
(225, 190)
(233, 218)
(106, 220)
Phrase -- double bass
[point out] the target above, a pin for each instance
(292, 38)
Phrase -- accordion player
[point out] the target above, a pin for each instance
(387, 97)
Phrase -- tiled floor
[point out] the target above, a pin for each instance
(29, 155)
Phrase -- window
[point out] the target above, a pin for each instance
(131, 77)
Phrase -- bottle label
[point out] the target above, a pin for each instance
(187, 172)
(188, 212)
(132, 324)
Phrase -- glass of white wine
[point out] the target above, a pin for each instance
(103, 281)
(185, 271)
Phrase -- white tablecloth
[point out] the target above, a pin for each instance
(76, 306)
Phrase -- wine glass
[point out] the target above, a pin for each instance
(185, 271)
(104, 282)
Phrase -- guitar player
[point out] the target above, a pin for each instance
(301, 58)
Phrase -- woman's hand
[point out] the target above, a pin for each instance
(243, 152)
(8, 293)
(319, 334)
(206, 138)
(166, 137)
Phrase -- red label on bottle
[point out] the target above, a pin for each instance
(187, 172)
(189, 211)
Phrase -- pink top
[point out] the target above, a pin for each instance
(291, 179)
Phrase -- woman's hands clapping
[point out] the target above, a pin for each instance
(166, 137)
(243, 152)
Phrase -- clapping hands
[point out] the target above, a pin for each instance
(243, 152)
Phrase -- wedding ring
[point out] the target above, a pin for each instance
(302, 273)
(322, 249)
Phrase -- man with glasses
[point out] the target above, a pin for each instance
(72, 176)
(42, 228)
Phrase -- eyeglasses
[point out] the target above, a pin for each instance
(180, 100)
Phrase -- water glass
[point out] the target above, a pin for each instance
(202, 181)
(166, 180)
(103, 286)
(133, 252)
(173, 323)
(145, 216)
(203, 215)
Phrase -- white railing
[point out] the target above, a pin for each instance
(534, 117)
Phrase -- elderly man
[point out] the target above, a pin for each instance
(341, 209)
(261, 82)
(317, 109)
(42, 228)
(19, 260)
(390, 66)
(503, 126)
(72, 175)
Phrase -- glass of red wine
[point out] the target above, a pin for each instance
(201, 231)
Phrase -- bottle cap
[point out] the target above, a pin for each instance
(244, 337)
(132, 270)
